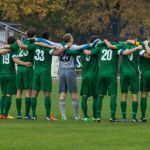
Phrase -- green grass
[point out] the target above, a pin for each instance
(73, 135)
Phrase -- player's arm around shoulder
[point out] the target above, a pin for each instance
(143, 53)
(109, 45)
(126, 52)
(146, 44)
(4, 51)
(59, 51)
(19, 62)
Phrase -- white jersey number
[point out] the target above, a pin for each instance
(130, 57)
(23, 53)
(6, 59)
(39, 55)
(107, 54)
(88, 58)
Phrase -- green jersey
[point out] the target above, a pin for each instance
(144, 62)
(42, 58)
(108, 60)
(7, 65)
(129, 64)
(89, 63)
(23, 55)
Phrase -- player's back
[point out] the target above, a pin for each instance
(108, 61)
(7, 66)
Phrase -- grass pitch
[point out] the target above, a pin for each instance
(71, 134)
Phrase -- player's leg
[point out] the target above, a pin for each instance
(134, 87)
(47, 95)
(134, 107)
(34, 104)
(20, 84)
(143, 104)
(18, 103)
(7, 104)
(28, 103)
(10, 90)
(2, 101)
(94, 107)
(124, 84)
(101, 91)
(84, 107)
(112, 92)
(75, 105)
(71, 79)
(35, 91)
(27, 80)
(124, 106)
(84, 92)
(144, 88)
(62, 93)
(2, 106)
(62, 105)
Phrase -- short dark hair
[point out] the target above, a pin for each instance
(31, 33)
(11, 40)
(67, 37)
(132, 36)
(46, 35)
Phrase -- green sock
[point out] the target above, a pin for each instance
(7, 104)
(48, 105)
(143, 106)
(84, 106)
(134, 109)
(99, 106)
(2, 105)
(18, 106)
(94, 106)
(123, 108)
(113, 106)
(27, 105)
(33, 106)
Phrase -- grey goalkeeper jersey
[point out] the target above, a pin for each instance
(66, 62)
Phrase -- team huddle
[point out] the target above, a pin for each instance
(99, 60)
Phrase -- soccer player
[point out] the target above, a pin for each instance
(42, 73)
(89, 80)
(107, 78)
(7, 79)
(129, 74)
(24, 75)
(145, 78)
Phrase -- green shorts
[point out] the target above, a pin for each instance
(107, 85)
(129, 80)
(42, 81)
(8, 84)
(24, 78)
(145, 81)
(88, 85)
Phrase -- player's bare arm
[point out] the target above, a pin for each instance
(87, 52)
(4, 51)
(19, 62)
(57, 52)
(130, 51)
(21, 45)
(147, 47)
(109, 45)
(6, 46)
